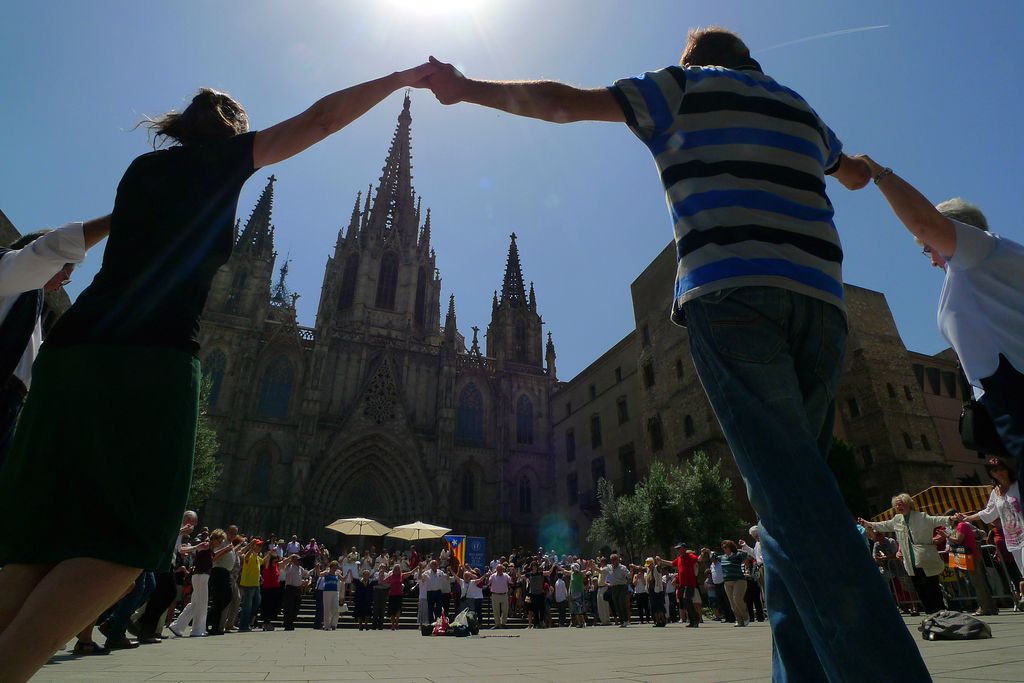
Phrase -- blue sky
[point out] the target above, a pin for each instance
(933, 94)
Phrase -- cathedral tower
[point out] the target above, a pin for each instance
(514, 334)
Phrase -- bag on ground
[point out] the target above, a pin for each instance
(950, 625)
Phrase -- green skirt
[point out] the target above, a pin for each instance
(101, 461)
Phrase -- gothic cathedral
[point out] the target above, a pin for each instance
(379, 410)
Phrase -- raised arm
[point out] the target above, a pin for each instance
(913, 209)
(545, 100)
(329, 115)
(852, 173)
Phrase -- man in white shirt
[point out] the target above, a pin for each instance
(435, 580)
(294, 546)
(33, 265)
(472, 592)
(499, 582)
(561, 599)
(295, 579)
(617, 578)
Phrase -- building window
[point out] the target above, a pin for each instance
(627, 465)
(469, 418)
(347, 294)
(568, 408)
(595, 431)
(679, 368)
(467, 492)
(919, 374)
(908, 393)
(570, 445)
(647, 335)
(259, 485)
(648, 371)
(525, 496)
(851, 405)
(420, 312)
(890, 389)
(213, 369)
(655, 433)
(933, 374)
(593, 392)
(688, 428)
(276, 389)
(524, 420)
(623, 409)
(908, 441)
(572, 489)
(618, 375)
(949, 383)
(924, 443)
(597, 470)
(866, 456)
(521, 341)
(387, 281)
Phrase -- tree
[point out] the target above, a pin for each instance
(206, 468)
(624, 521)
(844, 467)
(707, 502)
(659, 493)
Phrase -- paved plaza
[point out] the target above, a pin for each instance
(714, 652)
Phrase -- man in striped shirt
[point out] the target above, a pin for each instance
(743, 161)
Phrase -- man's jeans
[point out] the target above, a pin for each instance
(769, 360)
(1004, 401)
(435, 603)
(250, 603)
(117, 622)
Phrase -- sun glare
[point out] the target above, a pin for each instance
(437, 6)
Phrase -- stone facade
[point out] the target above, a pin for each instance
(904, 436)
(378, 410)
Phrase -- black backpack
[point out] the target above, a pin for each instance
(950, 625)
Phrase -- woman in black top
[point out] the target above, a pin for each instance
(120, 368)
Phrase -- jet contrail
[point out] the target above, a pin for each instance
(830, 34)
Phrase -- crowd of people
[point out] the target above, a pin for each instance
(743, 161)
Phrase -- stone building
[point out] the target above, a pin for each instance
(378, 410)
(642, 401)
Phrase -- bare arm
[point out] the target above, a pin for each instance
(329, 115)
(545, 100)
(95, 230)
(852, 173)
(915, 211)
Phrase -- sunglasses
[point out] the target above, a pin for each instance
(926, 250)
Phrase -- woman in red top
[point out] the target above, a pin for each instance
(396, 589)
(270, 591)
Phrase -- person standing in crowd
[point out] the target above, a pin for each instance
(921, 559)
(981, 306)
(362, 599)
(435, 591)
(135, 327)
(655, 585)
(535, 595)
(617, 579)
(732, 560)
(752, 596)
(329, 595)
(965, 543)
(32, 266)
(422, 604)
(639, 585)
(685, 565)
(379, 605)
(1004, 506)
(472, 589)
(499, 584)
(561, 596)
(196, 610)
(296, 579)
(249, 583)
(577, 594)
(294, 547)
(220, 582)
(151, 622)
(395, 582)
(270, 591)
(743, 161)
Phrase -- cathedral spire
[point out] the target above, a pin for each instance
(395, 198)
(353, 223)
(533, 299)
(280, 295)
(425, 234)
(451, 326)
(258, 234)
(513, 292)
(550, 358)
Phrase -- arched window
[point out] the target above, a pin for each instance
(387, 281)
(524, 420)
(525, 495)
(347, 295)
(213, 369)
(467, 493)
(469, 420)
(908, 442)
(276, 389)
(420, 312)
(688, 429)
(259, 484)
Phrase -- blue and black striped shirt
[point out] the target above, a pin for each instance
(743, 160)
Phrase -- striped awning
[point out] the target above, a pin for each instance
(938, 499)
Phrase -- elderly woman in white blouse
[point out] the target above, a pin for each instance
(981, 307)
(921, 558)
